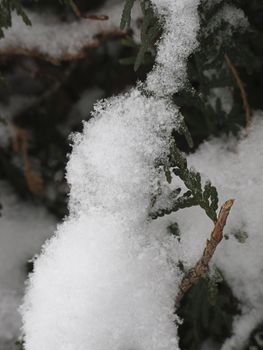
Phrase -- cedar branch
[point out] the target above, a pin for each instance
(240, 85)
(201, 267)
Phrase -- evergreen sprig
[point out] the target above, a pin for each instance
(150, 28)
(183, 130)
(205, 314)
(6, 9)
(126, 14)
(71, 4)
(150, 31)
(206, 197)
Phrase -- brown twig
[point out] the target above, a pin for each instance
(240, 84)
(20, 144)
(96, 17)
(79, 14)
(201, 266)
(36, 53)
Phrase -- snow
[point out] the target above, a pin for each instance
(233, 16)
(20, 239)
(118, 296)
(111, 279)
(224, 95)
(55, 39)
(130, 127)
(178, 42)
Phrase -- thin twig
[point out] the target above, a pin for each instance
(84, 52)
(20, 145)
(242, 92)
(201, 266)
(79, 14)
(95, 17)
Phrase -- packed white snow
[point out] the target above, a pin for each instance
(106, 281)
(178, 42)
(23, 229)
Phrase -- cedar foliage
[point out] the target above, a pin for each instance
(151, 29)
(206, 198)
(6, 9)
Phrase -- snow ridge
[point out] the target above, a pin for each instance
(178, 42)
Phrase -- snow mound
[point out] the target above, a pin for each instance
(111, 279)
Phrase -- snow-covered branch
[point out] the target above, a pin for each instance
(52, 39)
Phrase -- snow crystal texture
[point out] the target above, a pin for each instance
(178, 42)
(110, 282)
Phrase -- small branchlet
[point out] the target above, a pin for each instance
(183, 130)
(206, 197)
(79, 14)
(150, 28)
(243, 93)
(20, 145)
(126, 14)
(201, 267)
